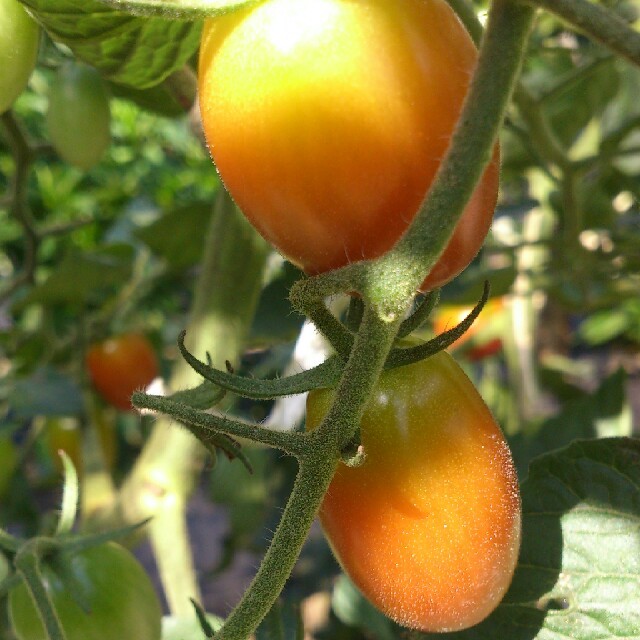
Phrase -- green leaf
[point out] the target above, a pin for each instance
(182, 8)
(578, 574)
(45, 393)
(186, 627)
(80, 276)
(605, 412)
(178, 235)
(354, 610)
(275, 319)
(126, 49)
(283, 622)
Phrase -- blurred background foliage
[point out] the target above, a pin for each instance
(120, 246)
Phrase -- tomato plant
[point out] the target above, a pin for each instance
(121, 365)
(328, 143)
(428, 527)
(483, 338)
(78, 115)
(118, 598)
(19, 38)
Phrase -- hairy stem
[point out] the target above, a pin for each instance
(27, 563)
(597, 22)
(471, 147)
(165, 473)
(317, 466)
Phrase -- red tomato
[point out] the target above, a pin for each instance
(121, 365)
(328, 119)
(428, 527)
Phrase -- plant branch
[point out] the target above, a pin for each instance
(598, 22)
(27, 563)
(23, 157)
(289, 441)
(318, 462)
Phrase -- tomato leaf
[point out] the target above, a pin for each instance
(354, 610)
(603, 413)
(283, 622)
(183, 8)
(126, 49)
(177, 235)
(79, 276)
(45, 393)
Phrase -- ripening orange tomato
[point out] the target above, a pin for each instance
(328, 119)
(428, 527)
(121, 365)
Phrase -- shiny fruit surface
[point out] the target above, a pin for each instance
(121, 365)
(328, 119)
(428, 527)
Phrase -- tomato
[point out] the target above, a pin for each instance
(328, 119)
(483, 338)
(78, 116)
(121, 599)
(19, 39)
(121, 365)
(428, 527)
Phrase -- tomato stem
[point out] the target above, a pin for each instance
(27, 563)
(598, 22)
(205, 425)
(318, 460)
(400, 271)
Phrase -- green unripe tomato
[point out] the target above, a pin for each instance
(120, 598)
(19, 37)
(78, 116)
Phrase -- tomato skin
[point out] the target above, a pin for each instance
(78, 115)
(428, 527)
(329, 144)
(19, 40)
(121, 598)
(121, 365)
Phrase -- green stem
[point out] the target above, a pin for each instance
(290, 442)
(541, 135)
(164, 475)
(27, 563)
(312, 481)
(23, 157)
(471, 147)
(338, 336)
(598, 22)
(317, 466)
